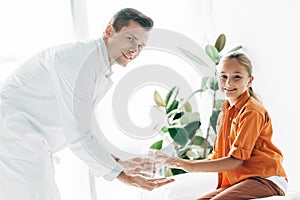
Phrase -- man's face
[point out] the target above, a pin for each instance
(125, 45)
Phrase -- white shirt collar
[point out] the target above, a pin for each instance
(106, 58)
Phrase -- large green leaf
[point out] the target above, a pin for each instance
(214, 119)
(191, 128)
(173, 106)
(179, 135)
(198, 140)
(169, 94)
(193, 57)
(213, 53)
(235, 49)
(158, 100)
(182, 136)
(173, 132)
(157, 145)
(219, 103)
(188, 107)
(213, 84)
(220, 42)
(164, 129)
(190, 117)
(204, 83)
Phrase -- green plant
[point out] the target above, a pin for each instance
(182, 124)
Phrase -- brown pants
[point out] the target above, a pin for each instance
(250, 188)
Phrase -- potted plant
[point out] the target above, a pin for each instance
(182, 127)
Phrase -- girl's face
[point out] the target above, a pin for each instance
(234, 80)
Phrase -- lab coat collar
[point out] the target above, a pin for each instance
(101, 45)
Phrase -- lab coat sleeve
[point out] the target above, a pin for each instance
(75, 76)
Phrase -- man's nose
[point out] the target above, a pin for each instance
(134, 48)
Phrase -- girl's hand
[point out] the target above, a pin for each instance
(173, 162)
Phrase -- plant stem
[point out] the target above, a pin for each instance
(189, 98)
(209, 123)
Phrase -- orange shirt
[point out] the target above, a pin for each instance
(245, 132)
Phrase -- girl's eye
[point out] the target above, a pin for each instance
(237, 77)
(223, 77)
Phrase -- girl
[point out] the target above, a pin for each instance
(248, 163)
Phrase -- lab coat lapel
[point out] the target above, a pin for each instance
(104, 84)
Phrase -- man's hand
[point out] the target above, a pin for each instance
(141, 182)
(137, 166)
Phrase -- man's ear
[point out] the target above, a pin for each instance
(109, 30)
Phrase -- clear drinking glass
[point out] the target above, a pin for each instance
(149, 161)
(154, 167)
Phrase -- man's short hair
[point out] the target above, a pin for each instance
(123, 17)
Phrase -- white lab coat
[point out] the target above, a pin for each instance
(47, 105)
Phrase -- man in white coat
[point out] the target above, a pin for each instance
(48, 105)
